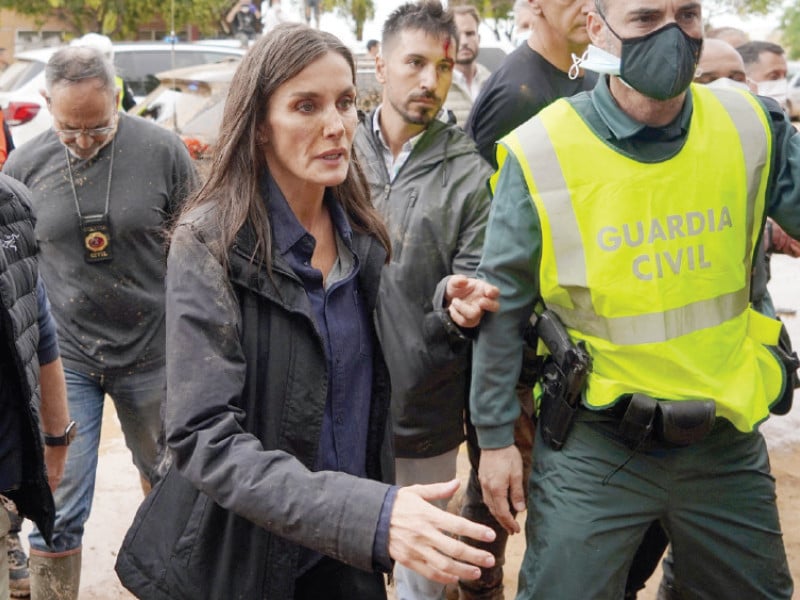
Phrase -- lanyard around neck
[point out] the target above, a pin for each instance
(108, 187)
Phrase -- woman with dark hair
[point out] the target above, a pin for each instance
(278, 393)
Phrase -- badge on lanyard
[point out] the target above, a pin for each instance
(96, 230)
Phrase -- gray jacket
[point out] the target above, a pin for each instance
(436, 211)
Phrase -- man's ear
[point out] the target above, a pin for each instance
(594, 27)
(43, 94)
(380, 69)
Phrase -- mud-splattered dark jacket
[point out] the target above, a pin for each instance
(436, 210)
(247, 381)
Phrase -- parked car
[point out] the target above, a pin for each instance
(190, 101)
(136, 62)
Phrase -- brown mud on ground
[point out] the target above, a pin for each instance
(118, 495)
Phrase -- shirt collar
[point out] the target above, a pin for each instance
(287, 231)
(621, 126)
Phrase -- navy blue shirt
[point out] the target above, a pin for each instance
(344, 325)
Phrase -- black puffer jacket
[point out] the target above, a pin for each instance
(20, 329)
(247, 383)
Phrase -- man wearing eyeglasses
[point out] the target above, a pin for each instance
(104, 186)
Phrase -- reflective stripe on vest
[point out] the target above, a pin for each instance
(662, 272)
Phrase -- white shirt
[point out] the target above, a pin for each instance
(393, 164)
(478, 80)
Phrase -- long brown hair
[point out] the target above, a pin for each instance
(238, 161)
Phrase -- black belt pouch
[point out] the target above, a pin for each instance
(684, 422)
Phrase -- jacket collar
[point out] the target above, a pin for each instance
(284, 287)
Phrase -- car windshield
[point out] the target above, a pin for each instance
(19, 73)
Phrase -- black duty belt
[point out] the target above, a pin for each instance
(643, 418)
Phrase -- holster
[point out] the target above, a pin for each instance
(532, 363)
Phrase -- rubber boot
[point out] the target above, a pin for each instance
(19, 581)
(55, 576)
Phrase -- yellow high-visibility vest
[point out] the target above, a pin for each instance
(121, 87)
(649, 263)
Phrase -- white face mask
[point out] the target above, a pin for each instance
(727, 83)
(521, 37)
(594, 59)
(776, 90)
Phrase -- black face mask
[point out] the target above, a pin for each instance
(661, 64)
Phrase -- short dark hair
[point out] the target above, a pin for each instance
(371, 44)
(751, 51)
(427, 15)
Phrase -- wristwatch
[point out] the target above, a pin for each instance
(70, 431)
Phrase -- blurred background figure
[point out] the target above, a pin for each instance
(373, 48)
(106, 47)
(468, 73)
(272, 15)
(312, 10)
(733, 35)
(6, 141)
(765, 64)
(244, 19)
(721, 66)
(523, 21)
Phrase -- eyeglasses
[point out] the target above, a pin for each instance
(70, 135)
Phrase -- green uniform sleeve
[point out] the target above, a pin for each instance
(510, 261)
(783, 203)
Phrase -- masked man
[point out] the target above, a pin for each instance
(608, 212)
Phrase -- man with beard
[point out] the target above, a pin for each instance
(469, 74)
(104, 184)
(429, 183)
(680, 370)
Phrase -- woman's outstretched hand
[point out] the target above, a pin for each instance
(421, 535)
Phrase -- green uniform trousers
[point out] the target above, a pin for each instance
(715, 499)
